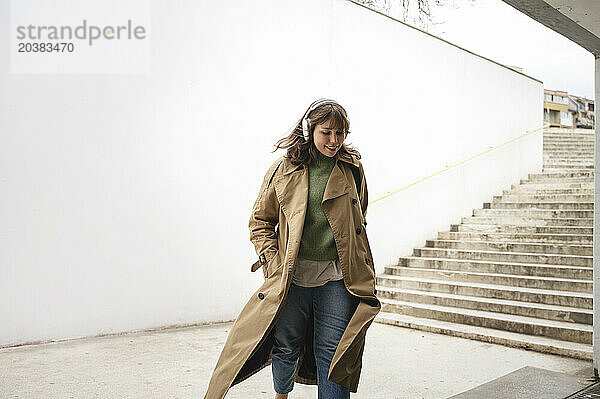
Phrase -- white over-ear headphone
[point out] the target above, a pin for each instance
(306, 120)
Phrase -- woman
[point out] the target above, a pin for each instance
(309, 317)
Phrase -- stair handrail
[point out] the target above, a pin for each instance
(461, 162)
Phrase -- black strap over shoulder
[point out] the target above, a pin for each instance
(356, 174)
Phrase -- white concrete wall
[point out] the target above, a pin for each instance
(125, 198)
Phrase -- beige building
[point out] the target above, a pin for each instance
(556, 108)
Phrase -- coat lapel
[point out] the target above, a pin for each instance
(292, 189)
(337, 185)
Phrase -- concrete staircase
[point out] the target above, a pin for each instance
(519, 271)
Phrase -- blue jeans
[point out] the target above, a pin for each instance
(332, 306)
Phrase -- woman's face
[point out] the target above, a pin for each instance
(327, 141)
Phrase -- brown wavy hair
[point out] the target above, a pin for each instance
(304, 152)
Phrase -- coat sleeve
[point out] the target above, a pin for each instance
(264, 219)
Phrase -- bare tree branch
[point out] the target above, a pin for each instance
(414, 12)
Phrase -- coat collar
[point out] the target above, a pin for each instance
(288, 167)
(337, 184)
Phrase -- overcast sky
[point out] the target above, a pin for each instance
(495, 30)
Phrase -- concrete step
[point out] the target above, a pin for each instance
(520, 237)
(561, 169)
(567, 154)
(548, 189)
(505, 228)
(569, 139)
(540, 205)
(554, 167)
(522, 257)
(494, 336)
(569, 151)
(558, 180)
(557, 169)
(514, 246)
(511, 280)
(569, 142)
(585, 182)
(560, 175)
(552, 185)
(544, 192)
(575, 137)
(572, 138)
(580, 137)
(533, 295)
(568, 146)
(568, 157)
(549, 167)
(397, 296)
(535, 213)
(586, 145)
(563, 330)
(579, 133)
(527, 221)
(540, 190)
(586, 148)
(547, 198)
(566, 151)
(568, 132)
(558, 142)
(565, 132)
(524, 269)
(557, 329)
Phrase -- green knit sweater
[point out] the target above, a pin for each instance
(317, 241)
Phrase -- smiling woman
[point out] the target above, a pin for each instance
(327, 139)
(310, 316)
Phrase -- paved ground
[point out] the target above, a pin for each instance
(177, 363)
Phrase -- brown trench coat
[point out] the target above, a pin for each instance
(276, 225)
